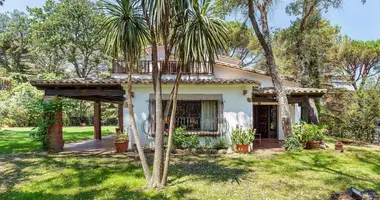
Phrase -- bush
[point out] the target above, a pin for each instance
(182, 141)
(293, 144)
(303, 133)
(309, 132)
(14, 105)
(220, 144)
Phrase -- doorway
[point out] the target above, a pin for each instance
(265, 121)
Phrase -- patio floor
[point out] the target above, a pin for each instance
(105, 144)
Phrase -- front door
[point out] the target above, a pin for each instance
(265, 121)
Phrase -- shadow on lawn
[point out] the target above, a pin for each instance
(86, 175)
(120, 193)
(212, 170)
(89, 169)
(325, 163)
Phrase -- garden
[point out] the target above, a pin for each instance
(310, 174)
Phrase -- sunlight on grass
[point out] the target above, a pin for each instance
(13, 140)
(106, 175)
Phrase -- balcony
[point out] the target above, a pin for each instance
(145, 67)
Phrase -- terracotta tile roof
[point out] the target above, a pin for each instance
(115, 81)
(271, 90)
(238, 67)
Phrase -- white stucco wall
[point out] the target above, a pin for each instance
(230, 73)
(236, 109)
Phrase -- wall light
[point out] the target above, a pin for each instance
(245, 92)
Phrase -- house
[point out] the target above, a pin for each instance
(212, 99)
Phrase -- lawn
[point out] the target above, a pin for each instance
(13, 140)
(106, 175)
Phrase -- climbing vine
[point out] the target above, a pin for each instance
(44, 117)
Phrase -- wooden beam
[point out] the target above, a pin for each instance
(84, 93)
(115, 100)
(121, 116)
(97, 121)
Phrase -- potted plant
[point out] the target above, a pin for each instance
(121, 142)
(313, 135)
(242, 139)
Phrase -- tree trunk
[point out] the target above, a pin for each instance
(134, 126)
(171, 131)
(159, 137)
(265, 42)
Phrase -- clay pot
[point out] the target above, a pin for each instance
(242, 148)
(338, 146)
(121, 146)
(313, 144)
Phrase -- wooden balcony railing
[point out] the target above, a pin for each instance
(145, 67)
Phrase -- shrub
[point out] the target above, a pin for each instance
(303, 133)
(220, 144)
(181, 141)
(309, 132)
(293, 144)
(240, 136)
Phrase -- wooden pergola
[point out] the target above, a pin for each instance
(301, 96)
(98, 91)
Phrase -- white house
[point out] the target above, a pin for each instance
(212, 99)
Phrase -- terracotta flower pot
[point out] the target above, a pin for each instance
(338, 146)
(242, 148)
(313, 144)
(121, 146)
(82, 124)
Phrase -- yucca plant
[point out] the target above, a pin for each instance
(126, 33)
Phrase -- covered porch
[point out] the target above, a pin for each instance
(266, 116)
(97, 91)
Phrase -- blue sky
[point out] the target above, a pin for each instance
(361, 22)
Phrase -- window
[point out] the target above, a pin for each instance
(196, 115)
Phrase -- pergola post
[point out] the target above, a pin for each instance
(97, 120)
(55, 136)
(305, 112)
(120, 117)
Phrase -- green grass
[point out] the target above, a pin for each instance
(313, 174)
(14, 140)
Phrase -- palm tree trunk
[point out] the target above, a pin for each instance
(171, 131)
(159, 137)
(140, 150)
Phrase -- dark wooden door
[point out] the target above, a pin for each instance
(265, 120)
(261, 120)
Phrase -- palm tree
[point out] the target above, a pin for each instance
(127, 32)
(199, 38)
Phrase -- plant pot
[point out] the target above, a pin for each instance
(313, 144)
(121, 146)
(338, 146)
(82, 124)
(242, 148)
